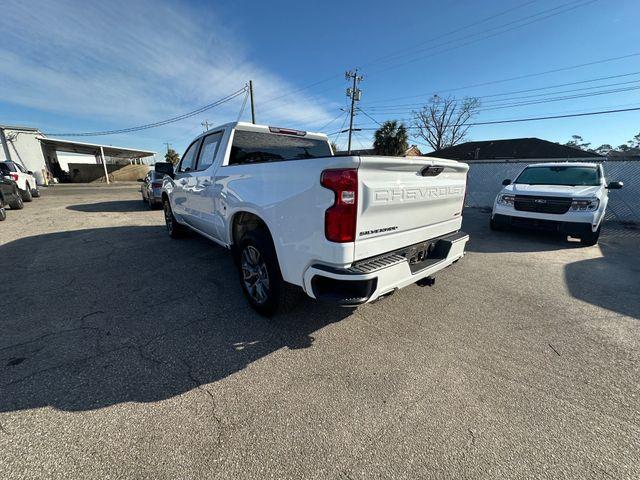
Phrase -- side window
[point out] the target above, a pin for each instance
(209, 150)
(188, 162)
(20, 168)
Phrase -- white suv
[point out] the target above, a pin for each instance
(24, 178)
(570, 198)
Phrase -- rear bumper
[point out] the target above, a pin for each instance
(568, 228)
(372, 278)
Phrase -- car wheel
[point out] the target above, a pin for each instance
(26, 194)
(3, 212)
(494, 226)
(175, 229)
(35, 192)
(591, 238)
(260, 276)
(17, 203)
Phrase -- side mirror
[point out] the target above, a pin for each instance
(615, 185)
(29, 172)
(164, 168)
(506, 182)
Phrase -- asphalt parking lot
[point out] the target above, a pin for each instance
(125, 354)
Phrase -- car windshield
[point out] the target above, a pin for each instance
(254, 147)
(560, 175)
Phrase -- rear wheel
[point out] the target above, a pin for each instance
(16, 203)
(26, 194)
(175, 229)
(260, 276)
(3, 212)
(591, 238)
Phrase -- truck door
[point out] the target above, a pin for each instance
(201, 198)
(184, 181)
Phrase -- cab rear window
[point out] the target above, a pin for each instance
(259, 147)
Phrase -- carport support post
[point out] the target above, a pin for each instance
(104, 164)
(5, 147)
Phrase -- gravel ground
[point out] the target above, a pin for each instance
(125, 354)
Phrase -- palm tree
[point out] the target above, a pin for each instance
(391, 139)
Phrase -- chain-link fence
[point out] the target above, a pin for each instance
(485, 181)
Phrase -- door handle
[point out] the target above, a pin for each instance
(206, 183)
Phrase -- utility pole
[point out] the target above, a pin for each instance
(253, 111)
(205, 125)
(354, 93)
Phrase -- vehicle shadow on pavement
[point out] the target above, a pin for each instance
(612, 280)
(609, 281)
(112, 206)
(125, 314)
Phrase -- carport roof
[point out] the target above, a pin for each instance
(94, 148)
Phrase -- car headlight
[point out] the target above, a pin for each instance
(504, 199)
(585, 204)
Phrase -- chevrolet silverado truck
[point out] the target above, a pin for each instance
(570, 198)
(345, 229)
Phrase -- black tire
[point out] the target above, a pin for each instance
(175, 229)
(35, 192)
(26, 194)
(3, 212)
(591, 238)
(495, 227)
(16, 203)
(259, 272)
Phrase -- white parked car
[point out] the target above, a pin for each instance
(345, 229)
(570, 198)
(25, 179)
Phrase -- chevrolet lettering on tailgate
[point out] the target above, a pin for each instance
(403, 194)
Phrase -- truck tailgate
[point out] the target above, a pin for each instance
(405, 200)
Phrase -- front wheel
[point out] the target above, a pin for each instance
(35, 192)
(260, 275)
(26, 194)
(591, 238)
(3, 212)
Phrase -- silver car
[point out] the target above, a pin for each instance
(151, 189)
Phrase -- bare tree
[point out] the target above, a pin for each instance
(444, 122)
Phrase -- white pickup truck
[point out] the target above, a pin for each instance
(346, 229)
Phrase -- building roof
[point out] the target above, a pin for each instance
(94, 148)
(18, 128)
(512, 149)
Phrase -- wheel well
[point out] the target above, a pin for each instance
(244, 222)
(164, 196)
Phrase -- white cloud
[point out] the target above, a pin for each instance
(127, 62)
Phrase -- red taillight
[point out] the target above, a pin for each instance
(340, 218)
(156, 185)
(14, 176)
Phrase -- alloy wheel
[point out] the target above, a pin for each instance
(255, 275)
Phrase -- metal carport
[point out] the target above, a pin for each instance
(98, 150)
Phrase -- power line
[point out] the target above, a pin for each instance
(533, 119)
(451, 32)
(336, 118)
(525, 102)
(531, 19)
(419, 104)
(509, 79)
(367, 115)
(155, 124)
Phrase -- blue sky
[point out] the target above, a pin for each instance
(72, 66)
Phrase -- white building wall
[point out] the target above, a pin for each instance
(24, 148)
(64, 159)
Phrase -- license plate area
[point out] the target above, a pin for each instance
(425, 254)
